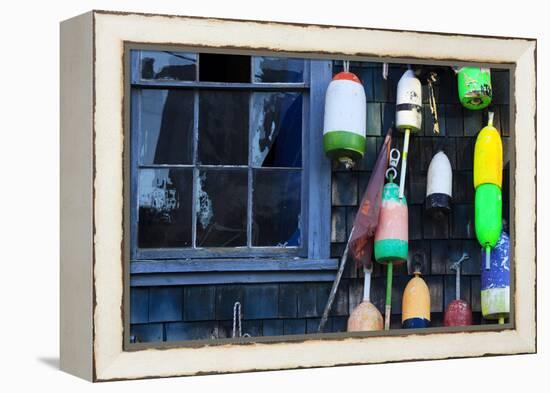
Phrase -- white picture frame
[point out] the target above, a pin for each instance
(92, 194)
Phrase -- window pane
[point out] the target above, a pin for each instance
(166, 128)
(168, 65)
(278, 69)
(277, 129)
(223, 127)
(222, 207)
(224, 68)
(165, 202)
(276, 207)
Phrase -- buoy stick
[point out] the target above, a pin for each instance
(335, 284)
(487, 257)
(389, 280)
(457, 282)
(404, 163)
(366, 285)
(501, 321)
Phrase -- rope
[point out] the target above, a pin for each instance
(346, 65)
(237, 321)
(431, 98)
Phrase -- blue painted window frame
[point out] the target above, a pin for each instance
(313, 254)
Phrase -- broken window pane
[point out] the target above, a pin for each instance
(223, 127)
(222, 207)
(215, 67)
(278, 69)
(276, 207)
(166, 127)
(167, 65)
(165, 201)
(276, 129)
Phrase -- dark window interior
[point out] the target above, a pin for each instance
(224, 68)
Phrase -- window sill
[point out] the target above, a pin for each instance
(225, 271)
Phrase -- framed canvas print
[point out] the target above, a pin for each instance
(243, 195)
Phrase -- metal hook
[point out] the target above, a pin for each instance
(391, 170)
(385, 70)
(346, 65)
(395, 156)
(456, 267)
(465, 256)
(417, 262)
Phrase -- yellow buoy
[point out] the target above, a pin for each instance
(488, 157)
(416, 303)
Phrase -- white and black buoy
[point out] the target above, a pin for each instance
(408, 116)
(439, 188)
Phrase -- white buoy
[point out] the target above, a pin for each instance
(439, 189)
(408, 116)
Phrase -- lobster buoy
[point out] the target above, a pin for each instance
(391, 239)
(439, 189)
(345, 120)
(416, 302)
(495, 282)
(408, 106)
(488, 156)
(488, 183)
(458, 312)
(474, 87)
(408, 115)
(365, 317)
(488, 215)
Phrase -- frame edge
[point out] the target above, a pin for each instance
(76, 196)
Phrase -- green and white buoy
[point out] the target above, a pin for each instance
(345, 120)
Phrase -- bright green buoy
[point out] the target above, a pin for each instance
(488, 216)
(474, 87)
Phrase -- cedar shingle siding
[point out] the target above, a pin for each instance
(197, 312)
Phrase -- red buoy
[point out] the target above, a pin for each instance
(458, 312)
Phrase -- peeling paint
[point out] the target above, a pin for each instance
(205, 211)
(265, 109)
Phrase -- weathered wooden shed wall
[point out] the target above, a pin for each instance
(170, 313)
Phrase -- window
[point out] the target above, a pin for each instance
(221, 161)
